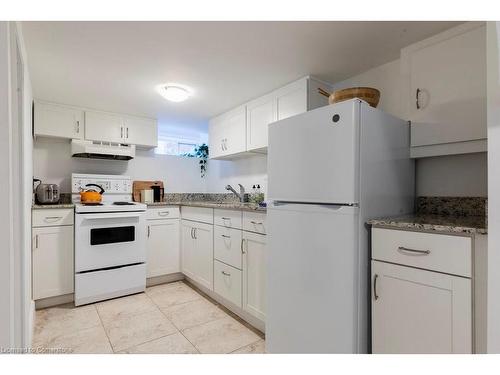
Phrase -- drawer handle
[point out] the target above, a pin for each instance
(414, 251)
(164, 213)
(375, 295)
(225, 236)
(225, 273)
(226, 218)
(51, 219)
(256, 223)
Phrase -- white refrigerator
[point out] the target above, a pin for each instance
(329, 171)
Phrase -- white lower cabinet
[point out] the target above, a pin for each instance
(197, 252)
(417, 310)
(227, 282)
(163, 249)
(52, 261)
(254, 274)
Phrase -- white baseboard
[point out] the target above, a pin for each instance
(164, 279)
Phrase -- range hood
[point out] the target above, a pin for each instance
(101, 150)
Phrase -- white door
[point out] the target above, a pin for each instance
(312, 274)
(104, 127)
(291, 100)
(254, 274)
(450, 78)
(204, 254)
(163, 247)
(314, 157)
(53, 120)
(417, 311)
(188, 249)
(52, 261)
(140, 131)
(260, 113)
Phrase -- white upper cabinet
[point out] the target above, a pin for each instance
(103, 127)
(291, 100)
(227, 133)
(231, 135)
(260, 113)
(110, 127)
(140, 131)
(61, 121)
(54, 120)
(445, 84)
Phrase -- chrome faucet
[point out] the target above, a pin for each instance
(240, 195)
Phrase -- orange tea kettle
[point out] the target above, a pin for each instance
(91, 195)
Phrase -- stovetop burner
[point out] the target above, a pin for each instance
(123, 203)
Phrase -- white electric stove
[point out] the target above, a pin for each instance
(110, 240)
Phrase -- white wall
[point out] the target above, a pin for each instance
(456, 175)
(52, 163)
(493, 67)
(247, 171)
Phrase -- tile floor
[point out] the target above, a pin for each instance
(170, 318)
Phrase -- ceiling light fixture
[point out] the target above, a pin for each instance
(174, 92)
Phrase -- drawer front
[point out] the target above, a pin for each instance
(227, 282)
(436, 252)
(167, 212)
(254, 222)
(52, 217)
(201, 214)
(227, 218)
(227, 246)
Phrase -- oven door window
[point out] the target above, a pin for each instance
(102, 236)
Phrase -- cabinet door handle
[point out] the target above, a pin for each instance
(149, 231)
(375, 295)
(225, 236)
(52, 219)
(121, 132)
(127, 132)
(225, 273)
(417, 94)
(413, 251)
(242, 247)
(78, 127)
(194, 233)
(36, 241)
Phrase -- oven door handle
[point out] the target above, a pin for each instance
(118, 215)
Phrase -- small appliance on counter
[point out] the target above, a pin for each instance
(147, 196)
(45, 193)
(156, 187)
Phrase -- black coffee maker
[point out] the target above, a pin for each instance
(158, 193)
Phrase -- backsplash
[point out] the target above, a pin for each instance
(453, 206)
(200, 197)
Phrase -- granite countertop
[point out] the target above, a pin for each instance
(56, 205)
(208, 204)
(437, 223)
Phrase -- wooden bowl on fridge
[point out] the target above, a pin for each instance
(368, 94)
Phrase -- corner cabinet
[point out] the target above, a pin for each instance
(444, 80)
(244, 129)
